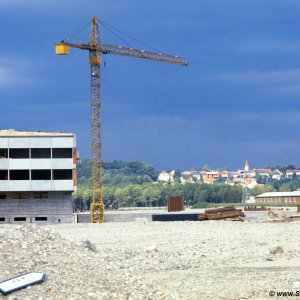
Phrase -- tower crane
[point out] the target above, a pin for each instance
(96, 50)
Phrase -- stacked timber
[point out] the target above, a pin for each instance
(222, 213)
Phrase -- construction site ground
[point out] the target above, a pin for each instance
(155, 260)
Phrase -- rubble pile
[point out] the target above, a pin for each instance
(73, 270)
(274, 216)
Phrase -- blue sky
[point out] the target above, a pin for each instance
(237, 100)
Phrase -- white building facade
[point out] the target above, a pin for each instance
(37, 176)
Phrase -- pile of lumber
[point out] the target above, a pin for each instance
(222, 213)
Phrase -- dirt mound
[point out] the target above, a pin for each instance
(72, 270)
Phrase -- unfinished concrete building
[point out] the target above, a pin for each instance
(37, 176)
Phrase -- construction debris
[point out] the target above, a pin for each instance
(256, 208)
(275, 216)
(88, 245)
(276, 250)
(222, 213)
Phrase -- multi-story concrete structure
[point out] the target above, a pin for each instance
(37, 176)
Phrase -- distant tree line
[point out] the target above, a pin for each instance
(151, 195)
(273, 185)
(118, 172)
(134, 183)
(128, 184)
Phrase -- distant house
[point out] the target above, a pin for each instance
(263, 172)
(233, 175)
(291, 173)
(224, 175)
(249, 182)
(191, 176)
(210, 177)
(166, 176)
(277, 175)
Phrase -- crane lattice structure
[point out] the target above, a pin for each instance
(96, 50)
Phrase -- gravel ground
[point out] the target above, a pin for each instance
(154, 260)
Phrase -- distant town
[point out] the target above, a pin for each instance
(243, 177)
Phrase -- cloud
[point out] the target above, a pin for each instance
(269, 46)
(14, 73)
(270, 118)
(257, 76)
(287, 90)
(63, 6)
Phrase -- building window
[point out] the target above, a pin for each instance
(40, 218)
(19, 218)
(3, 153)
(40, 174)
(3, 174)
(62, 175)
(19, 174)
(2, 196)
(18, 153)
(21, 195)
(2, 219)
(62, 152)
(40, 195)
(40, 153)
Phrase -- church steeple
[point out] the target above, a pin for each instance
(246, 167)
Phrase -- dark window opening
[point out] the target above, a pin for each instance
(2, 196)
(40, 174)
(62, 153)
(3, 174)
(19, 174)
(19, 218)
(2, 219)
(40, 153)
(62, 174)
(40, 195)
(41, 218)
(22, 195)
(3, 153)
(18, 153)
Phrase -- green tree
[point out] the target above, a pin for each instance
(286, 187)
(206, 168)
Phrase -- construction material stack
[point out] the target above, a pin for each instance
(175, 203)
(222, 213)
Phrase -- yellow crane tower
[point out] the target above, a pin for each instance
(96, 49)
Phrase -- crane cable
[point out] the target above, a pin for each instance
(128, 35)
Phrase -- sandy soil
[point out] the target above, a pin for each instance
(200, 260)
(154, 260)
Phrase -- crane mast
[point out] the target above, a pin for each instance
(96, 49)
(97, 206)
